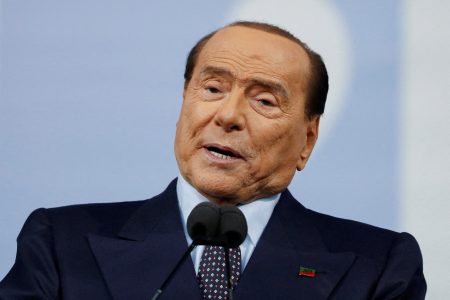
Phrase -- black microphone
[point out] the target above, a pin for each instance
(233, 226)
(232, 231)
(209, 224)
(202, 225)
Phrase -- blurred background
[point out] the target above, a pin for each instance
(90, 92)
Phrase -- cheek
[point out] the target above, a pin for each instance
(198, 115)
(187, 120)
(270, 136)
(183, 138)
(194, 117)
(184, 142)
(280, 142)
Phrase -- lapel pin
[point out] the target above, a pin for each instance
(307, 272)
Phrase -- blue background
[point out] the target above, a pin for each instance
(90, 94)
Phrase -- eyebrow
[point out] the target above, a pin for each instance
(216, 71)
(269, 84)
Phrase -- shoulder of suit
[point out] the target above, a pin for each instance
(366, 240)
(102, 218)
(344, 235)
(97, 209)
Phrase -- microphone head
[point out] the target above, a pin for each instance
(203, 222)
(232, 227)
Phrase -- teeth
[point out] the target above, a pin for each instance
(220, 155)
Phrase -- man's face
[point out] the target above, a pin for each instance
(242, 130)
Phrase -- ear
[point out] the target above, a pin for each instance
(312, 133)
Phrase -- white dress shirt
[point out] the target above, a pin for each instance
(257, 214)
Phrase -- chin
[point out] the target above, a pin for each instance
(218, 188)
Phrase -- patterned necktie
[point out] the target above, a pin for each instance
(212, 273)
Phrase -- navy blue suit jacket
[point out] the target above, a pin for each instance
(124, 251)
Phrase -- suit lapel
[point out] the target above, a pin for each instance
(135, 263)
(288, 242)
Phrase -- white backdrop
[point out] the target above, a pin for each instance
(90, 92)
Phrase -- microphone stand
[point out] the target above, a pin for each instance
(177, 266)
(227, 267)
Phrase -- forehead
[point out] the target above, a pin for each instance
(247, 50)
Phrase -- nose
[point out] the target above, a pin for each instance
(230, 114)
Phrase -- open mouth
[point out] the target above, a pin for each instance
(222, 152)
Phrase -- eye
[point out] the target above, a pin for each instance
(212, 90)
(213, 86)
(262, 98)
(265, 102)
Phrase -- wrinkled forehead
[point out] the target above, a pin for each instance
(254, 50)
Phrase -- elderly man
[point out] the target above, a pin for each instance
(252, 101)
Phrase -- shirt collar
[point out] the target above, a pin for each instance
(257, 213)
